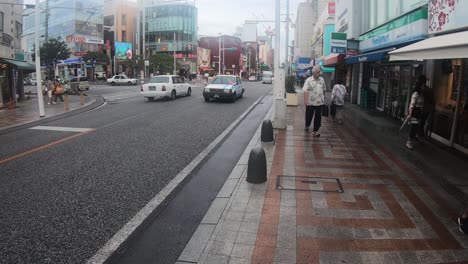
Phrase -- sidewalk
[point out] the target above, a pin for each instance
(27, 111)
(353, 195)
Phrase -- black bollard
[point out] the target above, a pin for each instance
(267, 131)
(257, 167)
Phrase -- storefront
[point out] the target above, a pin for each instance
(447, 58)
(11, 80)
(383, 85)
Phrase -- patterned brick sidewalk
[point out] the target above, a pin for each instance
(339, 198)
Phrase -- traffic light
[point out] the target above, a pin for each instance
(233, 48)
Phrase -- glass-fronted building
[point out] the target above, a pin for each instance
(78, 22)
(172, 26)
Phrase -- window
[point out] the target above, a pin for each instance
(381, 12)
(411, 4)
(124, 35)
(393, 9)
(124, 19)
(19, 30)
(1, 21)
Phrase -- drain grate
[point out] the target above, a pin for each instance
(284, 182)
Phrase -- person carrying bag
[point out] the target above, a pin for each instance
(58, 91)
(338, 100)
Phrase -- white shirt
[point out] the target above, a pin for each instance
(316, 90)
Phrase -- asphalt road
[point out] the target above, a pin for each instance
(65, 194)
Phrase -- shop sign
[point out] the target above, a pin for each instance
(331, 8)
(410, 27)
(338, 43)
(445, 15)
(72, 38)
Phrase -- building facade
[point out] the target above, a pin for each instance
(265, 52)
(445, 56)
(12, 59)
(305, 19)
(171, 26)
(120, 25)
(231, 54)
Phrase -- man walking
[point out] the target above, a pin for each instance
(314, 99)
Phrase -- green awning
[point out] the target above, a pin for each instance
(22, 65)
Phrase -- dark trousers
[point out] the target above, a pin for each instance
(413, 131)
(424, 117)
(310, 111)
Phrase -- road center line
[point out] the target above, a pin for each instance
(43, 147)
(63, 129)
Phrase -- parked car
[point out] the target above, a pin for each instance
(33, 81)
(79, 83)
(165, 86)
(121, 79)
(224, 87)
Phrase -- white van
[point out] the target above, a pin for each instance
(267, 77)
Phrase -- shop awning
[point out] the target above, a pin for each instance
(449, 46)
(370, 56)
(333, 59)
(206, 68)
(22, 65)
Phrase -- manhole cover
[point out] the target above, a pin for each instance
(288, 182)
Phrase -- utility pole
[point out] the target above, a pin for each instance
(279, 104)
(224, 62)
(219, 55)
(46, 34)
(38, 61)
(174, 49)
(144, 33)
(286, 58)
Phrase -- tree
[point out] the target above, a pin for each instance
(164, 63)
(52, 51)
(136, 64)
(96, 57)
(265, 67)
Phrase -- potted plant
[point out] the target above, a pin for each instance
(291, 94)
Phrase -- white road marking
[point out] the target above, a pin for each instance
(62, 129)
(106, 251)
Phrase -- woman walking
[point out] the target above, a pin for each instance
(338, 100)
(414, 114)
(58, 91)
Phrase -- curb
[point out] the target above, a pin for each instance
(195, 250)
(98, 102)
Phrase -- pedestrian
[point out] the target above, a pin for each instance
(428, 108)
(48, 84)
(338, 100)
(414, 114)
(58, 91)
(314, 99)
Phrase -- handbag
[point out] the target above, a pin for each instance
(325, 110)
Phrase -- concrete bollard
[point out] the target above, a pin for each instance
(257, 166)
(81, 99)
(267, 131)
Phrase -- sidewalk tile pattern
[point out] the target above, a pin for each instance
(384, 213)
